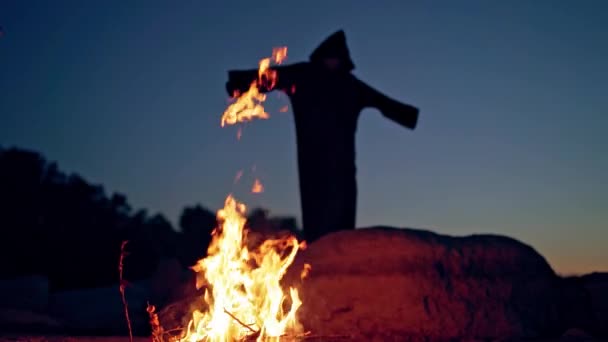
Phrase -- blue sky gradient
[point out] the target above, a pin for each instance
(511, 139)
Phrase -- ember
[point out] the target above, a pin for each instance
(257, 187)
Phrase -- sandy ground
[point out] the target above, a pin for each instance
(71, 339)
(147, 339)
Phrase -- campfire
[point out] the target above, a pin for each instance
(243, 296)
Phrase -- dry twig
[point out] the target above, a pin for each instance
(302, 337)
(157, 330)
(255, 332)
(173, 330)
(305, 336)
(122, 286)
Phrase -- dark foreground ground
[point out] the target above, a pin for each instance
(147, 339)
(71, 339)
(375, 284)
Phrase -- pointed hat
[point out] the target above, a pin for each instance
(334, 46)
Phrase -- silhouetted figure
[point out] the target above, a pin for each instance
(327, 100)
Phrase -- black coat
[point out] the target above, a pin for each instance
(326, 106)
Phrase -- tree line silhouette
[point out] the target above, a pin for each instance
(60, 226)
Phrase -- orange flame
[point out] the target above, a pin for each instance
(243, 285)
(243, 294)
(305, 271)
(249, 104)
(257, 187)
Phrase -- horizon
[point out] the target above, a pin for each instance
(511, 137)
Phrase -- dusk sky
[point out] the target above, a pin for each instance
(512, 137)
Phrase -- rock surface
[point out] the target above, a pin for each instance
(396, 284)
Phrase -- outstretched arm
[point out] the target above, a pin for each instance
(403, 114)
(240, 80)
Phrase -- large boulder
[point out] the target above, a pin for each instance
(404, 284)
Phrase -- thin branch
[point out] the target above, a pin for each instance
(240, 322)
(172, 330)
(122, 286)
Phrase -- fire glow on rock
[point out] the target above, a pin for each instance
(243, 294)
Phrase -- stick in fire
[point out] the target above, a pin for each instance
(327, 100)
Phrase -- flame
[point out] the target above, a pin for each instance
(257, 187)
(279, 54)
(305, 271)
(244, 296)
(248, 105)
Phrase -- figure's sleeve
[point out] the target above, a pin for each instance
(240, 80)
(401, 113)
